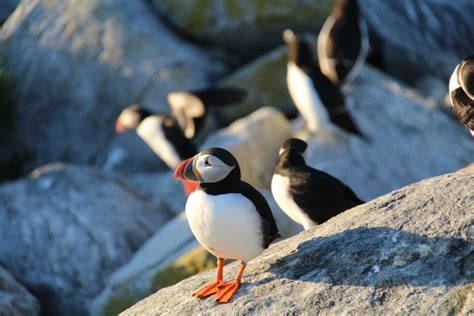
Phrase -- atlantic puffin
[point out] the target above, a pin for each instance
(461, 92)
(191, 108)
(228, 217)
(318, 99)
(307, 195)
(343, 43)
(161, 133)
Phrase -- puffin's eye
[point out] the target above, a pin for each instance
(207, 162)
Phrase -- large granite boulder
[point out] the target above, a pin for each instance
(75, 65)
(64, 229)
(15, 300)
(417, 39)
(245, 28)
(171, 255)
(408, 252)
(254, 140)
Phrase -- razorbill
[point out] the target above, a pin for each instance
(307, 195)
(228, 217)
(343, 43)
(317, 98)
(161, 133)
(461, 91)
(191, 108)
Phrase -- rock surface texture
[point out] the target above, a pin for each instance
(65, 229)
(408, 252)
(75, 65)
(244, 28)
(15, 300)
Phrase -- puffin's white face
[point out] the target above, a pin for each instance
(130, 118)
(453, 81)
(210, 169)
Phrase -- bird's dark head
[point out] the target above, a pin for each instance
(299, 50)
(465, 75)
(130, 118)
(292, 152)
(211, 166)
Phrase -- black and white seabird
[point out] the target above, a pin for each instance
(318, 99)
(191, 108)
(161, 133)
(228, 217)
(343, 43)
(461, 91)
(307, 195)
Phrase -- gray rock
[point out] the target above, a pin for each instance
(254, 140)
(408, 252)
(64, 229)
(75, 65)
(420, 38)
(171, 255)
(15, 300)
(245, 28)
(410, 139)
(6, 8)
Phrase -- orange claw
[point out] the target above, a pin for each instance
(212, 288)
(226, 291)
(189, 186)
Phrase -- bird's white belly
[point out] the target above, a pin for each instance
(281, 194)
(227, 225)
(306, 99)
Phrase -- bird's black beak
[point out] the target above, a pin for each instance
(185, 171)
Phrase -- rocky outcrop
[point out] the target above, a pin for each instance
(64, 229)
(254, 140)
(417, 39)
(75, 65)
(171, 255)
(410, 251)
(15, 300)
(245, 28)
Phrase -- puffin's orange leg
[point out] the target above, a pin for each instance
(211, 288)
(228, 289)
(189, 186)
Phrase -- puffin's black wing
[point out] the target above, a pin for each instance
(333, 99)
(319, 194)
(463, 108)
(269, 227)
(183, 146)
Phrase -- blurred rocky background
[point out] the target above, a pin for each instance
(92, 221)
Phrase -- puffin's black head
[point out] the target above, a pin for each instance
(210, 166)
(465, 75)
(345, 8)
(299, 50)
(130, 118)
(292, 153)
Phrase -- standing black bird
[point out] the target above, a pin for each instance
(307, 195)
(461, 91)
(343, 43)
(317, 98)
(191, 108)
(228, 217)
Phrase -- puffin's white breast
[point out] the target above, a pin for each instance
(227, 225)
(306, 98)
(151, 131)
(281, 194)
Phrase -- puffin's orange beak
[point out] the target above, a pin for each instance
(185, 171)
(119, 128)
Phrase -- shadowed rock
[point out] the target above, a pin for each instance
(410, 251)
(14, 298)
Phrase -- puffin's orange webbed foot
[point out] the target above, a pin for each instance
(226, 291)
(208, 289)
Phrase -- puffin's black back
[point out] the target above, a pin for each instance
(173, 133)
(233, 184)
(320, 195)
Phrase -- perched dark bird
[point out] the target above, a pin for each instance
(161, 133)
(191, 108)
(228, 217)
(461, 91)
(319, 101)
(343, 43)
(307, 195)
